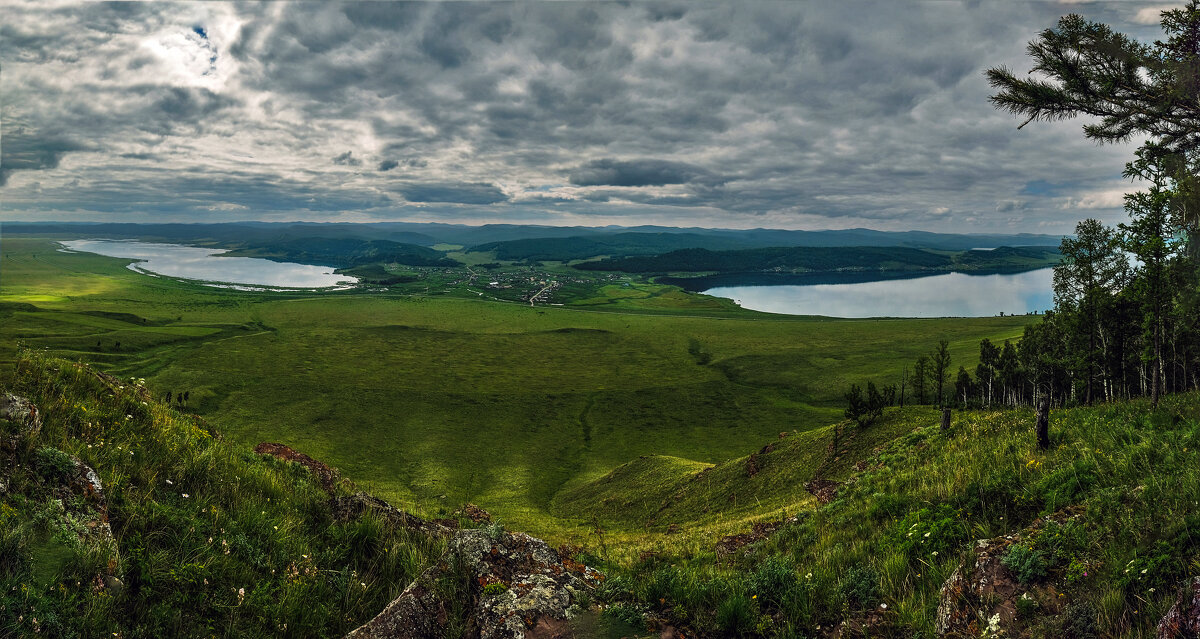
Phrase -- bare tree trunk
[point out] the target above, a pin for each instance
(1156, 368)
(1043, 423)
(945, 419)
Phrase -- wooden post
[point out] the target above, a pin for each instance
(945, 419)
(1043, 423)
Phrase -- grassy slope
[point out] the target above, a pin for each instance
(500, 404)
(195, 521)
(656, 491)
(898, 530)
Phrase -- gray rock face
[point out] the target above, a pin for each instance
(1182, 621)
(84, 481)
(516, 587)
(980, 598)
(20, 412)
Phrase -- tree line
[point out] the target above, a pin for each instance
(1126, 318)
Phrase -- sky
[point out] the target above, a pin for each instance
(796, 115)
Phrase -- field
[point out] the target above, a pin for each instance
(431, 400)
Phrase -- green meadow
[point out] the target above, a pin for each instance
(443, 397)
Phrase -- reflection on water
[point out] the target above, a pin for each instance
(946, 295)
(193, 263)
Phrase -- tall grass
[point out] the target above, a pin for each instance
(209, 539)
(893, 536)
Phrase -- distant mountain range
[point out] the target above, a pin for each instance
(519, 242)
(800, 259)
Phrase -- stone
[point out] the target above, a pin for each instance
(21, 412)
(980, 596)
(539, 590)
(1182, 621)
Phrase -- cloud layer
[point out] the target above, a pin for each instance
(792, 115)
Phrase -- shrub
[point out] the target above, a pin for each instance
(1079, 621)
(1026, 607)
(1156, 568)
(864, 409)
(1077, 571)
(491, 590)
(938, 530)
(626, 613)
(736, 615)
(1060, 543)
(1027, 564)
(774, 581)
(860, 587)
(53, 464)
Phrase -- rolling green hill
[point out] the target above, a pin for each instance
(1091, 538)
(823, 259)
(343, 252)
(615, 244)
(648, 440)
(187, 535)
(436, 399)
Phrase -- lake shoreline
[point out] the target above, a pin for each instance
(864, 294)
(208, 266)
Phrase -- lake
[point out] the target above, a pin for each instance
(206, 265)
(873, 295)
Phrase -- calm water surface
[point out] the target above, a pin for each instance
(195, 263)
(945, 295)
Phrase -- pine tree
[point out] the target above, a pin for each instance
(939, 369)
(920, 373)
(1092, 270)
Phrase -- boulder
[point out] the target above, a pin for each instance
(85, 482)
(21, 413)
(516, 587)
(1182, 621)
(980, 596)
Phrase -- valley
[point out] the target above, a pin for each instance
(435, 396)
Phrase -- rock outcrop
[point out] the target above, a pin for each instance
(980, 597)
(22, 417)
(352, 506)
(74, 490)
(1182, 621)
(326, 476)
(94, 515)
(512, 586)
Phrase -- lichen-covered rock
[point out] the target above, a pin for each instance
(20, 412)
(517, 587)
(1182, 621)
(85, 482)
(979, 599)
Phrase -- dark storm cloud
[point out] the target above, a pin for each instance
(24, 150)
(609, 172)
(457, 193)
(729, 114)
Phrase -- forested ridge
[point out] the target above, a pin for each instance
(825, 258)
